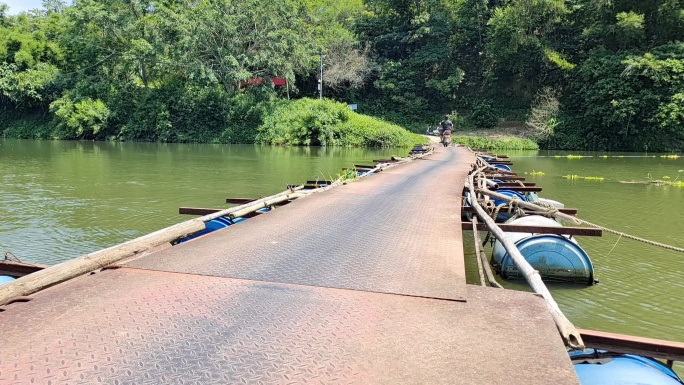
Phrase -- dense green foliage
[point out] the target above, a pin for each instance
(581, 74)
(503, 143)
(314, 122)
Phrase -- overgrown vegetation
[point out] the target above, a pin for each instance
(314, 122)
(503, 143)
(581, 74)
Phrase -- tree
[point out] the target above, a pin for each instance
(230, 42)
(414, 45)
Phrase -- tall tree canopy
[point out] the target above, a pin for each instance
(591, 74)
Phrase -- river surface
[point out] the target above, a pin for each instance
(61, 199)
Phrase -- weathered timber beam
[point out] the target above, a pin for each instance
(322, 182)
(588, 231)
(505, 177)
(196, 210)
(240, 201)
(19, 269)
(364, 166)
(490, 155)
(507, 162)
(521, 188)
(470, 209)
(515, 184)
(206, 211)
(621, 343)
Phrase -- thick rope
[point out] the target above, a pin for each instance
(551, 210)
(634, 237)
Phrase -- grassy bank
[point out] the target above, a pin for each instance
(496, 143)
(313, 122)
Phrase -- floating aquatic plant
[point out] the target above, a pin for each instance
(663, 181)
(536, 173)
(673, 156)
(573, 177)
(570, 156)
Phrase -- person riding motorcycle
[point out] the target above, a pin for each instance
(445, 125)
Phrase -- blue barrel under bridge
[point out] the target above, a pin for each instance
(599, 367)
(555, 257)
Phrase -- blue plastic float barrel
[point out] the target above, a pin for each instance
(219, 223)
(598, 367)
(212, 225)
(5, 279)
(503, 215)
(556, 257)
(502, 166)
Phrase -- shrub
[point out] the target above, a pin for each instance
(484, 116)
(80, 120)
(312, 122)
(504, 143)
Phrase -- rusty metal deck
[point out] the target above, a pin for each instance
(363, 284)
(394, 232)
(131, 326)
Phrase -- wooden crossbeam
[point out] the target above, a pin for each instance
(589, 231)
(514, 184)
(240, 201)
(520, 188)
(569, 211)
(197, 210)
(206, 211)
(621, 343)
(364, 166)
(506, 177)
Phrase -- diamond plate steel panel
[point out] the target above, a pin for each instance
(394, 232)
(131, 326)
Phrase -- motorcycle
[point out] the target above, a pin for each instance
(446, 138)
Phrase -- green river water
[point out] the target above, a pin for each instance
(59, 200)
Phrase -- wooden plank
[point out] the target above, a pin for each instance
(319, 182)
(565, 230)
(470, 209)
(491, 155)
(385, 160)
(18, 269)
(500, 171)
(364, 166)
(205, 211)
(514, 184)
(240, 201)
(521, 188)
(505, 177)
(196, 210)
(507, 162)
(357, 169)
(622, 343)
